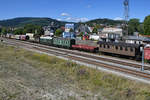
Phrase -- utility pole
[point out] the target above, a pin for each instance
(126, 16)
(142, 68)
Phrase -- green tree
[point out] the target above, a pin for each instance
(4, 30)
(29, 28)
(141, 29)
(0, 30)
(147, 25)
(19, 31)
(71, 30)
(36, 29)
(133, 26)
(95, 30)
(81, 34)
(58, 32)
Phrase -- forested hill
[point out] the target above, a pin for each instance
(104, 21)
(19, 22)
(22, 21)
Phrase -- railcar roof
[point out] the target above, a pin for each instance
(64, 38)
(120, 44)
(137, 38)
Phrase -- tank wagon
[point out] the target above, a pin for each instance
(31, 37)
(124, 49)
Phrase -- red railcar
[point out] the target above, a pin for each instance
(85, 48)
(147, 53)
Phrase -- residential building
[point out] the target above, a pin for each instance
(68, 27)
(111, 34)
(68, 35)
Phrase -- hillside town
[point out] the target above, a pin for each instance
(83, 32)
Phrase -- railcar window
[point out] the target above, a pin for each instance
(121, 48)
(100, 45)
(104, 46)
(126, 49)
(108, 46)
(131, 49)
(117, 47)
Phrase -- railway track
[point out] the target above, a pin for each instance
(125, 63)
(85, 58)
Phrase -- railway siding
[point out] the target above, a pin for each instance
(100, 57)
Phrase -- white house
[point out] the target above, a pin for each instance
(111, 33)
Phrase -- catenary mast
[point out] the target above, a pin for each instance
(126, 16)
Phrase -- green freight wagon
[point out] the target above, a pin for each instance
(46, 40)
(63, 42)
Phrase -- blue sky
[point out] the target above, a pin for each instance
(72, 10)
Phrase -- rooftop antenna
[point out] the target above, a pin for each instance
(126, 16)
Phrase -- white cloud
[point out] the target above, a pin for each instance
(118, 18)
(65, 14)
(83, 19)
(89, 6)
(71, 19)
(59, 19)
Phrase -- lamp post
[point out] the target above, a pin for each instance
(142, 68)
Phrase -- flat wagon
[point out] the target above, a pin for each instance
(85, 48)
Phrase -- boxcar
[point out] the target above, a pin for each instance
(63, 42)
(46, 40)
(125, 49)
